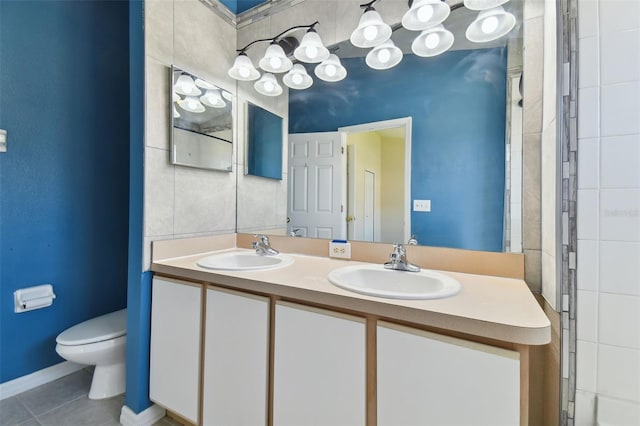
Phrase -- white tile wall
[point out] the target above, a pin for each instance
(608, 305)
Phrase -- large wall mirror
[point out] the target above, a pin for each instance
(451, 177)
(201, 123)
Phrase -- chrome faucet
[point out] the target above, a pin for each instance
(398, 260)
(413, 241)
(263, 247)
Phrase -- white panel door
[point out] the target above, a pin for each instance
(236, 359)
(175, 347)
(319, 368)
(428, 379)
(317, 191)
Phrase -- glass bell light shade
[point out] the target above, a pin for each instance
(483, 4)
(311, 49)
(424, 14)
(297, 78)
(213, 99)
(371, 30)
(490, 25)
(175, 97)
(432, 41)
(203, 84)
(384, 56)
(176, 114)
(331, 69)
(275, 60)
(243, 69)
(191, 104)
(228, 96)
(185, 86)
(268, 85)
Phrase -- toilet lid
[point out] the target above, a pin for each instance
(97, 329)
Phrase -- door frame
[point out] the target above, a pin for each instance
(389, 124)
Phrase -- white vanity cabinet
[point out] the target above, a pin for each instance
(236, 356)
(319, 367)
(429, 379)
(175, 346)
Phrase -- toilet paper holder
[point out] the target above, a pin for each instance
(28, 299)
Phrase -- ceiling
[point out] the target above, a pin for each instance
(239, 6)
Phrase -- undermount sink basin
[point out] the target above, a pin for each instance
(244, 261)
(375, 280)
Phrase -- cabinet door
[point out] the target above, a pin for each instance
(429, 379)
(175, 347)
(236, 359)
(319, 368)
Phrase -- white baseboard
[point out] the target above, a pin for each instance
(144, 418)
(40, 377)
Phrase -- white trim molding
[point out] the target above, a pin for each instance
(35, 379)
(143, 418)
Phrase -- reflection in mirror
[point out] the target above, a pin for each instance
(264, 143)
(466, 163)
(202, 123)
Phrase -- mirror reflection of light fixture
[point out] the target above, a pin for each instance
(331, 69)
(228, 96)
(186, 86)
(423, 14)
(297, 78)
(191, 104)
(371, 30)
(203, 84)
(175, 97)
(275, 60)
(268, 85)
(213, 99)
(311, 49)
(384, 56)
(176, 114)
(483, 4)
(432, 41)
(491, 24)
(243, 69)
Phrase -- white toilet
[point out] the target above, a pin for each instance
(100, 341)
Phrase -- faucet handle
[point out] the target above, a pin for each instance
(263, 238)
(399, 249)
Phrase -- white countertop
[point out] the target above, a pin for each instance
(490, 307)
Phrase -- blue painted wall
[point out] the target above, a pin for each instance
(264, 144)
(457, 101)
(64, 182)
(239, 6)
(139, 289)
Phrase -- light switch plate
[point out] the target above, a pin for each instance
(421, 205)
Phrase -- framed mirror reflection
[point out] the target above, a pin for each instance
(201, 123)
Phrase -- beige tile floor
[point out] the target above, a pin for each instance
(64, 402)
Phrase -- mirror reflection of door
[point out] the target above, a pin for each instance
(317, 188)
(370, 183)
(369, 201)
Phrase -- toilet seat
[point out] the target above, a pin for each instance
(105, 327)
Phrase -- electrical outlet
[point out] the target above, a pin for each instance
(340, 250)
(421, 205)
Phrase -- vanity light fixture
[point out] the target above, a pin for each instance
(191, 104)
(275, 60)
(432, 41)
(176, 114)
(423, 14)
(491, 24)
(297, 78)
(268, 85)
(311, 49)
(384, 56)
(186, 86)
(371, 30)
(331, 69)
(213, 99)
(243, 69)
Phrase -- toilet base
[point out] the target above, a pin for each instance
(108, 381)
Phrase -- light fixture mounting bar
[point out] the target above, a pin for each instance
(368, 5)
(453, 7)
(275, 38)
